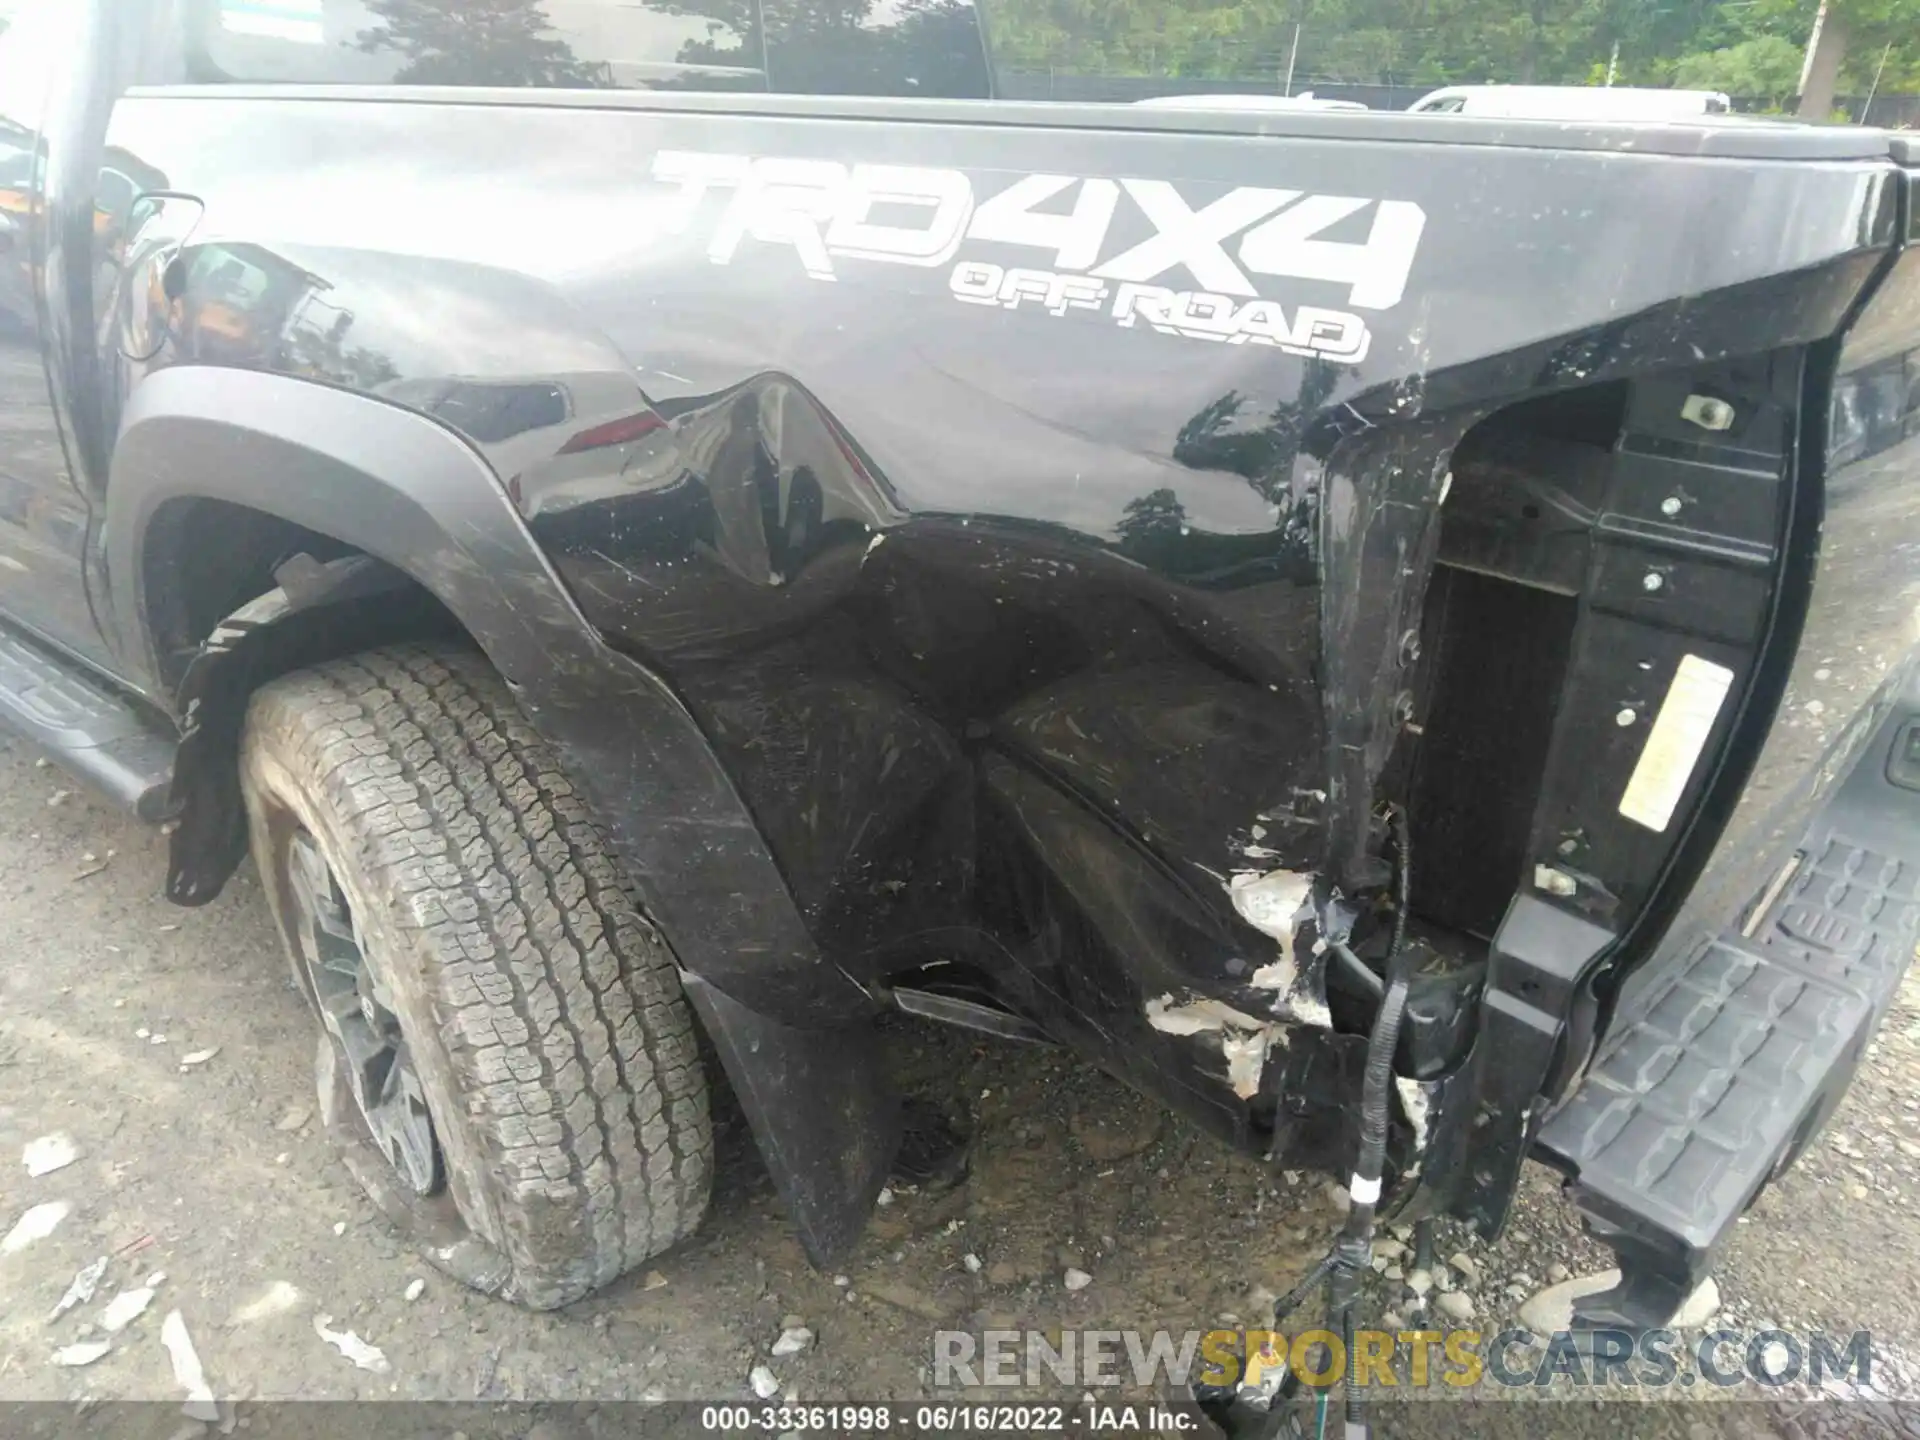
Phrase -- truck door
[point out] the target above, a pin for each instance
(43, 515)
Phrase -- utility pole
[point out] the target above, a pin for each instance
(1293, 56)
(1613, 64)
(1874, 89)
(1820, 76)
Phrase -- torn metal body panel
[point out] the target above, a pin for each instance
(1078, 685)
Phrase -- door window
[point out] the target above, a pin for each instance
(811, 47)
(930, 48)
(571, 44)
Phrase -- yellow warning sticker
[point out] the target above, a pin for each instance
(1679, 734)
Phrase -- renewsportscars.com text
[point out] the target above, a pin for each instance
(1410, 1360)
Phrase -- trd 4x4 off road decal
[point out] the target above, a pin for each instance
(1187, 271)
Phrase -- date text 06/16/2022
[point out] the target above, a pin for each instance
(1095, 1418)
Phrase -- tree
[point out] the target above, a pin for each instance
(1825, 52)
(1840, 33)
(1767, 66)
(910, 47)
(1741, 48)
(476, 42)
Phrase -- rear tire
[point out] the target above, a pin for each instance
(506, 1060)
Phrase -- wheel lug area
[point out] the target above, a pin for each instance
(365, 1035)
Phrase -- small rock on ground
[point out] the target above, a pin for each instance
(792, 1341)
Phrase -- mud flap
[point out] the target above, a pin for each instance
(823, 1114)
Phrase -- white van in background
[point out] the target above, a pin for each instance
(1572, 102)
(1247, 102)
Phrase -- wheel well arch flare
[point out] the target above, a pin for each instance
(417, 533)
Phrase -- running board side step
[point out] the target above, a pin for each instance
(87, 729)
(1741, 1052)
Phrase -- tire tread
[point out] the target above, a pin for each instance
(558, 1004)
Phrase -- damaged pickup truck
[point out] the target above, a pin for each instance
(1391, 634)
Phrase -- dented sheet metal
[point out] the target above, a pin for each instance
(1021, 531)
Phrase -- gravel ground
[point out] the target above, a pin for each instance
(212, 1171)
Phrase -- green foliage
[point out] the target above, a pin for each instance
(1767, 65)
(1143, 37)
(1751, 48)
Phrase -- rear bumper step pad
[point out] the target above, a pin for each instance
(1739, 1055)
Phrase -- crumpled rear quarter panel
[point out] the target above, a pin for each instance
(1024, 607)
